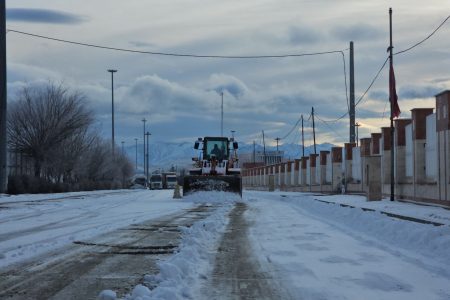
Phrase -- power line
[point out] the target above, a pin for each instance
(332, 129)
(172, 54)
(345, 81)
(430, 35)
(384, 64)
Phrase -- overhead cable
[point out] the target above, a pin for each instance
(173, 54)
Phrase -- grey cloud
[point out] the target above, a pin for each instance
(358, 31)
(232, 85)
(36, 15)
(141, 44)
(302, 35)
(379, 95)
(417, 92)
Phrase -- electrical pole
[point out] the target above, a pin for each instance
(314, 130)
(3, 100)
(112, 107)
(145, 172)
(392, 108)
(148, 137)
(264, 145)
(221, 118)
(352, 96)
(303, 140)
(136, 152)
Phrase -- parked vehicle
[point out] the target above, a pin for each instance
(169, 180)
(156, 182)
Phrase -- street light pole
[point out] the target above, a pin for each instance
(136, 153)
(144, 120)
(112, 106)
(221, 118)
(148, 137)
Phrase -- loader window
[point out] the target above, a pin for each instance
(217, 148)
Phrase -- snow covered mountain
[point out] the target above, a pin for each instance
(166, 155)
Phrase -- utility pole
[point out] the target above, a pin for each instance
(264, 147)
(3, 100)
(352, 95)
(303, 140)
(148, 137)
(277, 139)
(136, 153)
(112, 107)
(392, 107)
(221, 118)
(314, 130)
(145, 172)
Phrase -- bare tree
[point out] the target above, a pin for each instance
(54, 127)
(42, 120)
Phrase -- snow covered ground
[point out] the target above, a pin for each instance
(313, 250)
(324, 251)
(34, 224)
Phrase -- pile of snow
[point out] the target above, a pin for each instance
(183, 273)
(425, 239)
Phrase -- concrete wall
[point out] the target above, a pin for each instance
(421, 161)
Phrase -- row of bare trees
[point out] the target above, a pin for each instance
(54, 127)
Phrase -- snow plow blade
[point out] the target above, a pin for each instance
(196, 183)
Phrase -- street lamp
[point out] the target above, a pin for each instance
(136, 153)
(221, 118)
(148, 134)
(112, 105)
(144, 120)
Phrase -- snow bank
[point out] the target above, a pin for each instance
(181, 274)
(427, 240)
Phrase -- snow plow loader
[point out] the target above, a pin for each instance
(216, 169)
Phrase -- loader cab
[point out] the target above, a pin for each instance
(215, 147)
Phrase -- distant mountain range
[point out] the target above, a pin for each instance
(166, 155)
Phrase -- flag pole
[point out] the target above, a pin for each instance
(391, 100)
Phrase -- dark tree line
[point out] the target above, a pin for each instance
(54, 128)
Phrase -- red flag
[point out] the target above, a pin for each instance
(393, 93)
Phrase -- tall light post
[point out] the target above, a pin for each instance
(136, 153)
(144, 120)
(148, 137)
(112, 105)
(221, 118)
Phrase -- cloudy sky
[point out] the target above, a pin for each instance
(180, 96)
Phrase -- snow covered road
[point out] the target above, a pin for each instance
(269, 246)
(331, 252)
(34, 224)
